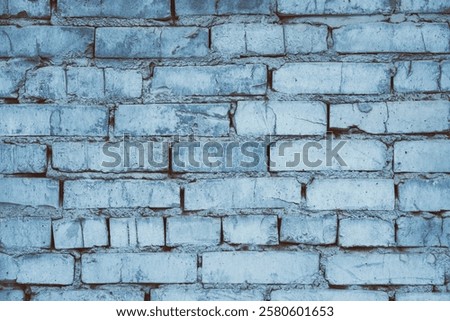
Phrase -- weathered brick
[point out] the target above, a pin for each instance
(46, 41)
(9, 268)
(11, 295)
(139, 268)
(421, 76)
(25, 232)
(219, 157)
(333, 7)
(424, 195)
(25, 8)
(86, 82)
(16, 159)
(231, 193)
(305, 38)
(392, 117)
(351, 194)
(419, 296)
(55, 269)
(421, 231)
(384, 269)
(123, 83)
(166, 42)
(251, 229)
(389, 37)
(187, 230)
(260, 267)
(88, 295)
(80, 233)
(414, 6)
(360, 232)
(332, 78)
(169, 119)
(132, 232)
(149, 9)
(210, 80)
(29, 191)
(222, 7)
(12, 73)
(258, 118)
(422, 156)
(190, 293)
(248, 39)
(110, 157)
(328, 295)
(195, 7)
(120, 193)
(46, 83)
(445, 76)
(53, 120)
(317, 229)
(307, 155)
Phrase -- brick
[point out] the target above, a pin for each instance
(434, 296)
(190, 293)
(388, 37)
(148, 9)
(88, 295)
(317, 229)
(12, 74)
(420, 76)
(366, 232)
(86, 82)
(332, 78)
(25, 8)
(351, 194)
(421, 231)
(9, 268)
(328, 295)
(229, 193)
(139, 268)
(243, 7)
(57, 269)
(258, 118)
(25, 232)
(53, 120)
(416, 156)
(110, 157)
(413, 6)
(195, 7)
(123, 83)
(305, 38)
(17, 159)
(445, 76)
(29, 191)
(248, 39)
(251, 229)
(384, 269)
(307, 155)
(166, 42)
(11, 295)
(46, 83)
(173, 119)
(132, 232)
(217, 156)
(120, 193)
(46, 41)
(392, 117)
(187, 230)
(333, 7)
(80, 233)
(424, 195)
(210, 80)
(260, 267)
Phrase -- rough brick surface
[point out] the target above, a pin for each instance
(12, 73)
(25, 8)
(328, 295)
(88, 295)
(424, 195)
(280, 267)
(417, 76)
(57, 269)
(192, 230)
(416, 156)
(424, 6)
(132, 232)
(83, 233)
(34, 233)
(9, 269)
(189, 293)
(419, 231)
(338, 7)
(29, 191)
(251, 229)
(317, 229)
(366, 232)
(16, 159)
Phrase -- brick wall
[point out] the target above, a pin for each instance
(103, 103)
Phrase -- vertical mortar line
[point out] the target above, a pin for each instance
(328, 116)
(61, 194)
(165, 229)
(209, 38)
(173, 11)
